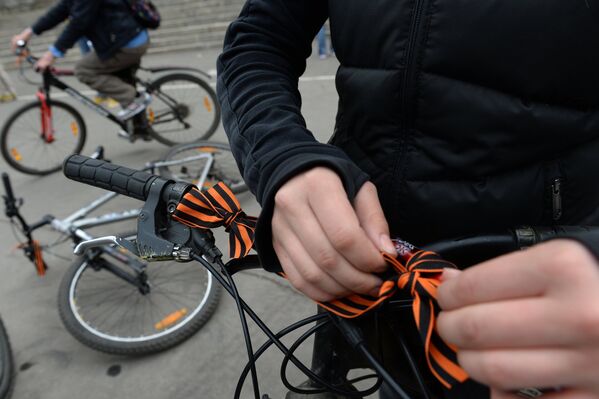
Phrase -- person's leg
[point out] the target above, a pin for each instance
(99, 74)
(321, 39)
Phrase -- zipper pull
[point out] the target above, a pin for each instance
(556, 195)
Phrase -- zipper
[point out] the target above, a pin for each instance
(406, 89)
(408, 78)
(556, 198)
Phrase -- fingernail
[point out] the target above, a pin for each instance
(375, 291)
(449, 273)
(387, 245)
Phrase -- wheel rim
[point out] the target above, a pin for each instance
(95, 319)
(28, 148)
(187, 121)
(224, 168)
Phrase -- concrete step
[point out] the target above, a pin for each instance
(187, 25)
(170, 35)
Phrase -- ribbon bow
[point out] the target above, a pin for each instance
(218, 207)
(420, 277)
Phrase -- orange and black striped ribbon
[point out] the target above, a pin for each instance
(419, 276)
(217, 207)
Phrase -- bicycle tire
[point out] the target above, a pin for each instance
(74, 310)
(15, 156)
(6, 364)
(203, 119)
(224, 168)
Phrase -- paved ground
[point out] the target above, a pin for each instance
(55, 366)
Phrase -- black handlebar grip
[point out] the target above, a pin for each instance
(8, 187)
(130, 182)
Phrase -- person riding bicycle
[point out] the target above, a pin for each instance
(119, 43)
(453, 119)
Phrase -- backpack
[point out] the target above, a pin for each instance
(145, 12)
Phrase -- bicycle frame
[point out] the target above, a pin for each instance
(50, 79)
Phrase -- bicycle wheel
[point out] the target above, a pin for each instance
(24, 146)
(6, 365)
(109, 314)
(215, 161)
(183, 109)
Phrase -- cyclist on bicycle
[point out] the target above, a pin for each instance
(119, 43)
(451, 121)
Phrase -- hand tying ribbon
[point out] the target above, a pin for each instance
(418, 272)
(218, 207)
(420, 276)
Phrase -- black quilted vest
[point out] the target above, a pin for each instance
(471, 115)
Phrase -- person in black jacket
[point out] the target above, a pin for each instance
(454, 119)
(119, 42)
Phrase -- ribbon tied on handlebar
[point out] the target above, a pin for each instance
(218, 207)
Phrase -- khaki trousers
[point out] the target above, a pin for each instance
(99, 74)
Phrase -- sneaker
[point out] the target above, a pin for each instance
(108, 102)
(135, 107)
(322, 56)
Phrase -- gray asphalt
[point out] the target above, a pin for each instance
(53, 365)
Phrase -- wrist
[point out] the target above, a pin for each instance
(27, 33)
(55, 53)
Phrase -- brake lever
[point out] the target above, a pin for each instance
(83, 246)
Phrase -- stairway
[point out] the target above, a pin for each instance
(186, 25)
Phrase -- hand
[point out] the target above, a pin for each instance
(327, 247)
(45, 61)
(527, 319)
(25, 36)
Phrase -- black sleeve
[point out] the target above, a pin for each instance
(55, 15)
(82, 16)
(264, 55)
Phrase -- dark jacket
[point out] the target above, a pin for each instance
(109, 24)
(469, 116)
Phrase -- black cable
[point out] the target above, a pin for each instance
(288, 385)
(244, 327)
(305, 370)
(269, 343)
(382, 372)
(354, 337)
(411, 361)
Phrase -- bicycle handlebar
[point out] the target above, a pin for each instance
(10, 197)
(130, 182)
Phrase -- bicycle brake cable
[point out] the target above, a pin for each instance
(296, 344)
(302, 367)
(269, 343)
(244, 326)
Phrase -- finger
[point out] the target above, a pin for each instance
(496, 394)
(311, 242)
(303, 222)
(372, 219)
(513, 369)
(571, 394)
(511, 276)
(338, 220)
(296, 280)
(525, 323)
(534, 393)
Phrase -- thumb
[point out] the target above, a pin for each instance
(372, 219)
